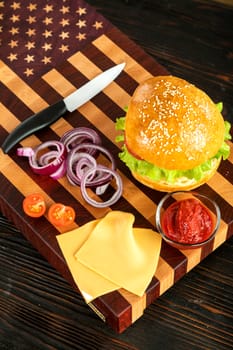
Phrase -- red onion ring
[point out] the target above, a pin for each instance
(61, 171)
(80, 163)
(117, 194)
(75, 177)
(75, 155)
(48, 163)
(77, 136)
(25, 151)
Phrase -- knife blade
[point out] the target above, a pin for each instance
(52, 113)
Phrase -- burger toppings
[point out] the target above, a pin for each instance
(76, 155)
(174, 135)
(34, 205)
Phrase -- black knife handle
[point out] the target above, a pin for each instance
(34, 123)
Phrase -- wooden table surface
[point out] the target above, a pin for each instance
(39, 309)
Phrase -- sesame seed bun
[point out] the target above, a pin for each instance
(175, 126)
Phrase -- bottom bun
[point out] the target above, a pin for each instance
(182, 183)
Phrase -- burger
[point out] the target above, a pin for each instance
(173, 134)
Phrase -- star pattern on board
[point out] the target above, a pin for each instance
(37, 35)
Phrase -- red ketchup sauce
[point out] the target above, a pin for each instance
(187, 221)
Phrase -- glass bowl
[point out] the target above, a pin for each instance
(187, 219)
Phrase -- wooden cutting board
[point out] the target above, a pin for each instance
(18, 101)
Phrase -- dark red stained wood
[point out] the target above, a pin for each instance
(54, 39)
(152, 291)
(207, 249)
(46, 91)
(175, 259)
(230, 230)
(47, 247)
(116, 309)
(226, 169)
(14, 104)
(226, 208)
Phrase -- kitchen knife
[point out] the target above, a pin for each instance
(52, 113)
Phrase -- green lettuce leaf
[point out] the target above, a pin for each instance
(227, 135)
(219, 106)
(120, 123)
(145, 168)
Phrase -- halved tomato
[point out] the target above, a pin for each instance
(61, 215)
(34, 205)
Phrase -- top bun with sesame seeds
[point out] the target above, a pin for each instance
(173, 134)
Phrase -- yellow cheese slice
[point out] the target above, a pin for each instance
(90, 284)
(125, 256)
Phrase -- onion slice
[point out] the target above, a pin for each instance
(117, 194)
(46, 159)
(73, 170)
(77, 165)
(75, 155)
(60, 172)
(25, 151)
(81, 135)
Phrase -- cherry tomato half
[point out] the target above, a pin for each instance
(61, 215)
(34, 205)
